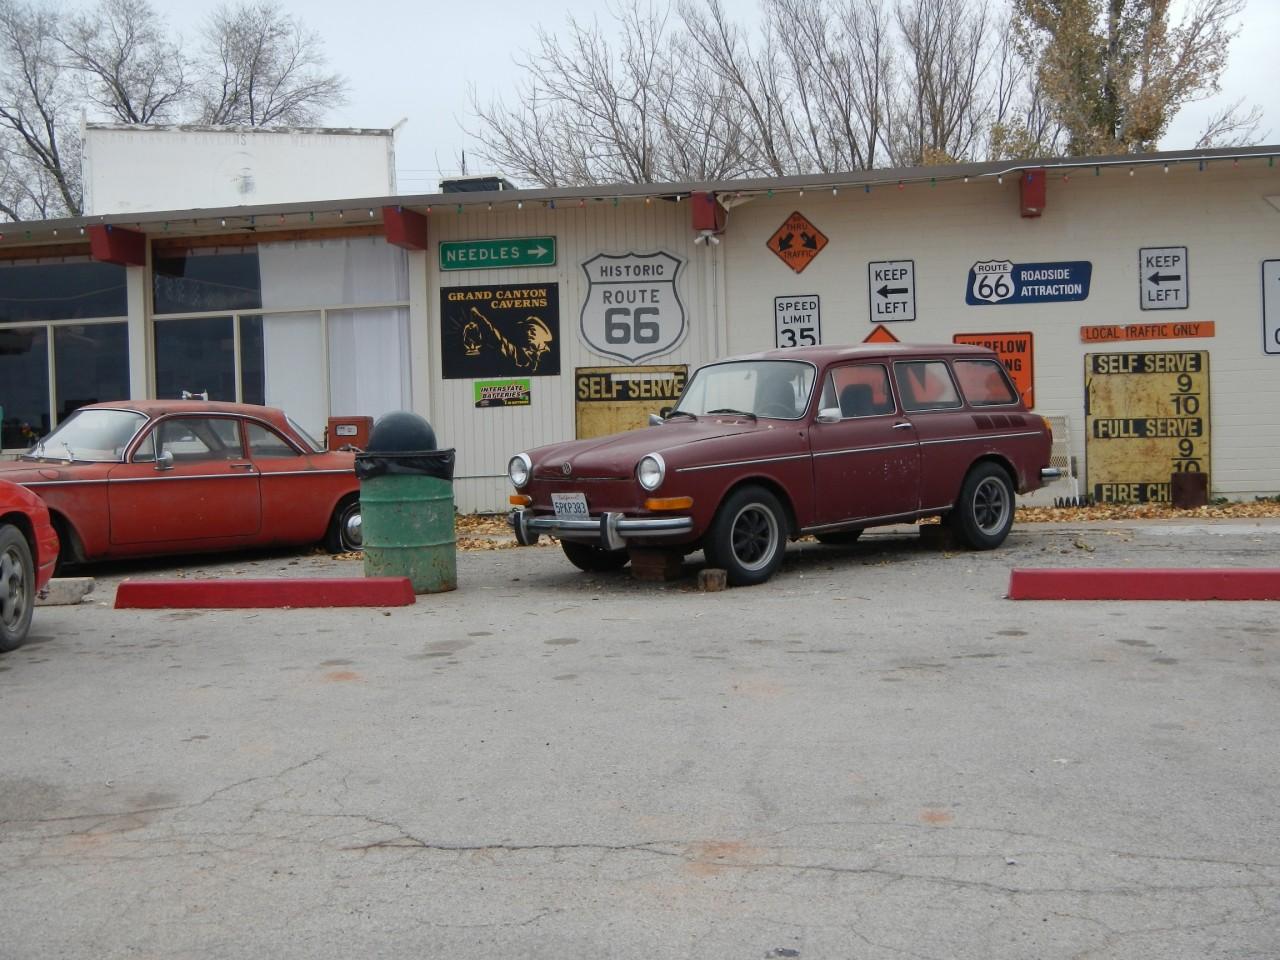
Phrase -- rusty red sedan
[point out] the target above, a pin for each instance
(150, 477)
(776, 445)
(28, 552)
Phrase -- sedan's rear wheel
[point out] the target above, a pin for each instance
(17, 587)
(748, 537)
(593, 559)
(346, 533)
(983, 515)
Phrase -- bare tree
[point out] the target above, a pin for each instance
(39, 140)
(944, 97)
(262, 66)
(129, 66)
(1229, 127)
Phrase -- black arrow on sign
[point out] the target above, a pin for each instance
(887, 291)
(1159, 278)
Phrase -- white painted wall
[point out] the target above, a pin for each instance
(130, 169)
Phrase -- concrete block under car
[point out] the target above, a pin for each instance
(65, 591)
(712, 580)
(655, 564)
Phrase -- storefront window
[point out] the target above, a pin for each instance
(24, 386)
(196, 356)
(74, 290)
(204, 281)
(92, 364)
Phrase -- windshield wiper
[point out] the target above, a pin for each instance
(736, 413)
(682, 413)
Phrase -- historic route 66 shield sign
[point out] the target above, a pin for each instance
(991, 281)
(632, 310)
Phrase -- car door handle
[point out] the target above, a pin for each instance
(902, 426)
(240, 466)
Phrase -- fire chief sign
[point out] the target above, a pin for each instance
(632, 310)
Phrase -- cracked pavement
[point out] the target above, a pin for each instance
(873, 756)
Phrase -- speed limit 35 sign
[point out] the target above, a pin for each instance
(797, 321)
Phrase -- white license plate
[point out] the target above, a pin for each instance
(570, 506)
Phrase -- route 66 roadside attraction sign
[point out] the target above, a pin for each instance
(1003, 282)
(632, 310)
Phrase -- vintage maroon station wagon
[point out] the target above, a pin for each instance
(775, 445)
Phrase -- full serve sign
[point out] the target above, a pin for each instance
(1146, 418)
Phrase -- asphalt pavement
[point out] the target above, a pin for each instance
(875, 755)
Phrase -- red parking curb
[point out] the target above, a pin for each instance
(240, 594)
(1177, 584)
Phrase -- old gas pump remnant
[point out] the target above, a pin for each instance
(1146, 419)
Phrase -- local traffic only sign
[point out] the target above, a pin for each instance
(797, 321)
(495, 254)
(1271, 306)
(1162, 278)
(892, 290)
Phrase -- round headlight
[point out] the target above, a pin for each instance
(650, 471)
(519, 469)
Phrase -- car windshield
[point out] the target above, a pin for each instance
(307, 438)
(94, 435)
(760, 388)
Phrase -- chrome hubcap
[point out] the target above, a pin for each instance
(13, 589)
(755, 537)
(354, 530)
(991, 506)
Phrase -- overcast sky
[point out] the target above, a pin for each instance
(417, 60)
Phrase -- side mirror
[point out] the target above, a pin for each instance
(829, 415)
(655, 420)
(165, 461)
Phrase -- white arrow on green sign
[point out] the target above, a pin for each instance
(495, 254)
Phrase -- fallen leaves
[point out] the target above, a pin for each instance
(1259, 509)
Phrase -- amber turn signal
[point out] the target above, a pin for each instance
(668, 503)
(519, 500)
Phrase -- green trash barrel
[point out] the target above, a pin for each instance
(408, 530)
(406, 505)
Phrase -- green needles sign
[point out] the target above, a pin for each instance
(497, 254)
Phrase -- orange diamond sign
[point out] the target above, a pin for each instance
(880, 334)
(797, 242)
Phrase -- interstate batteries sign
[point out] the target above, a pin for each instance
(632, 310)
(1002, 281)
(1146, 418)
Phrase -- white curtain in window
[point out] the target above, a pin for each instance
(368, 349)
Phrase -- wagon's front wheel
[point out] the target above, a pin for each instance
(748, 536)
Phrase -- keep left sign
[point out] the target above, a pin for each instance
(1162, 278)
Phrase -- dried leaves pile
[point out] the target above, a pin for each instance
(1150, 511)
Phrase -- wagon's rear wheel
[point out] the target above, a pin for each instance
(983, 515)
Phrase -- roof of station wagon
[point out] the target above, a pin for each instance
(831, 354)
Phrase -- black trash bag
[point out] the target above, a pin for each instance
(426, 463)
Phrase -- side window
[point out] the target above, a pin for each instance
(267, 444)
(191, 439)
(860, 390)
(146, 452)
(925, 385)
(984, 382)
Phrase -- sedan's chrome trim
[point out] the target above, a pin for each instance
(302, 473)
(169, 476)
(743, 463)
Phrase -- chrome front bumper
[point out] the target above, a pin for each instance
(611, 531)
(1050, 473)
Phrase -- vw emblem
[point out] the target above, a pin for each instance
(565, 468)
